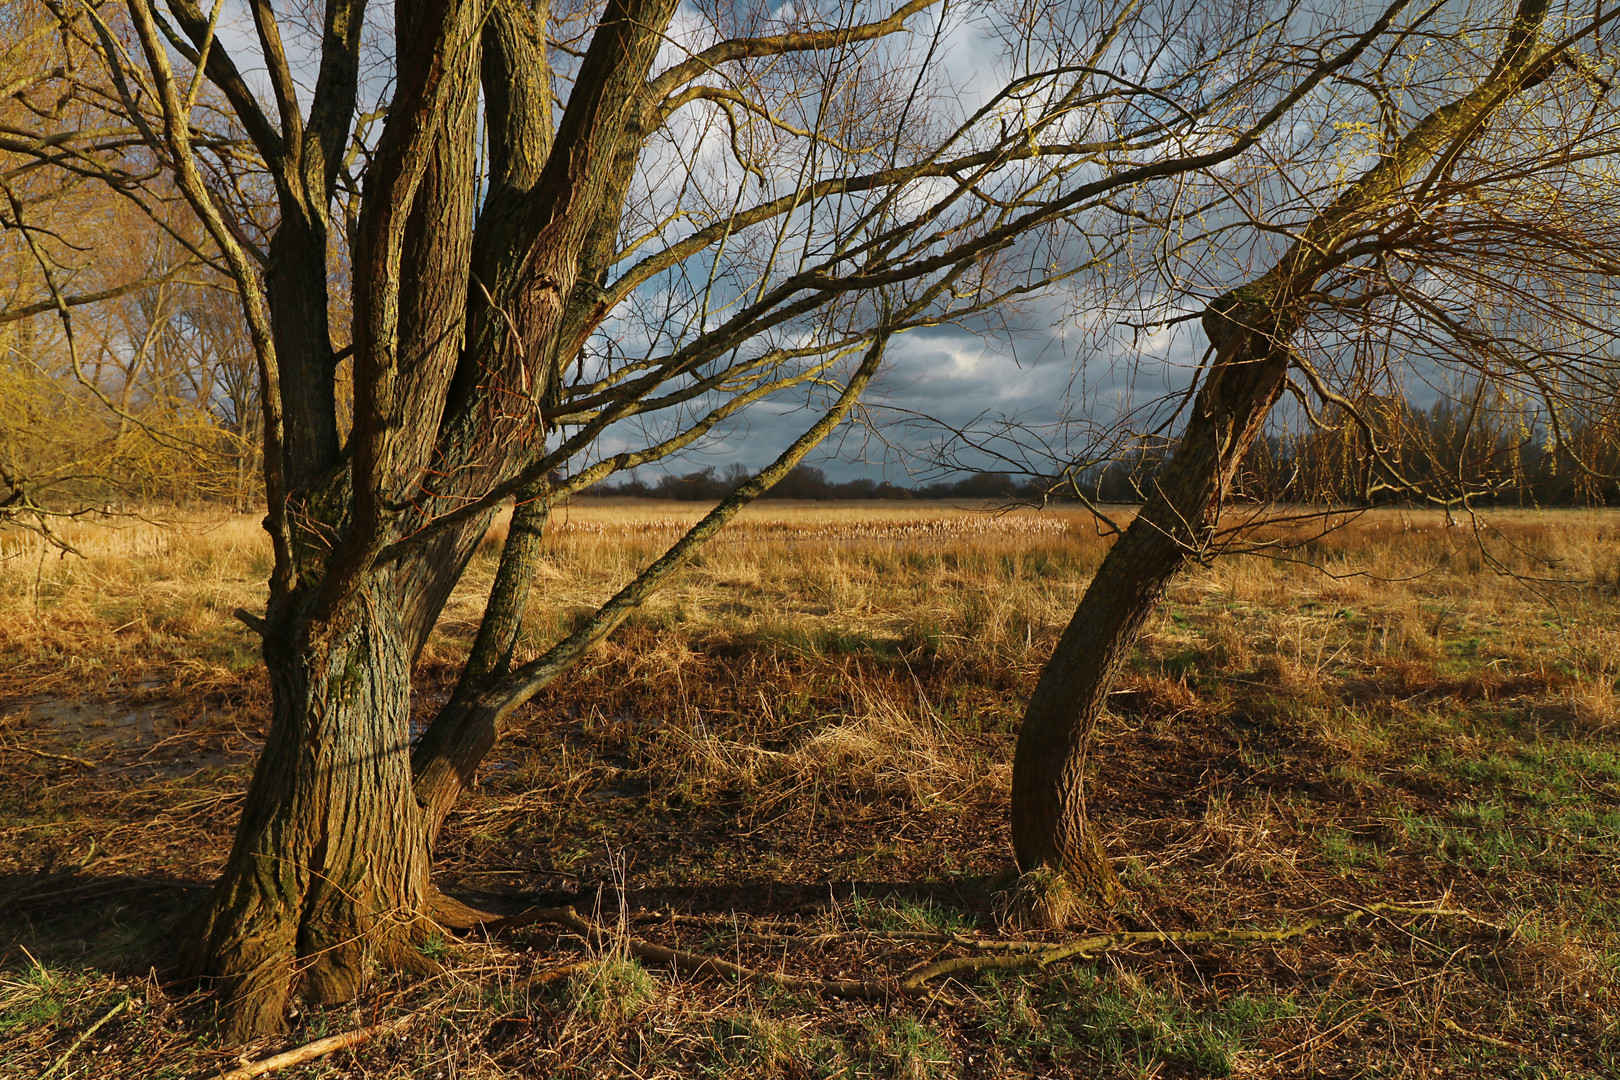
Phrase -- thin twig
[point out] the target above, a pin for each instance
(1489, 1040)
(82, 1039)
(1087, 947)
(1009, 955)
(694, 963)
(45, 754)
(921, 937)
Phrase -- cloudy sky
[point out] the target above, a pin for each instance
(1057, 374)
(1053, 365)
(1053, 384)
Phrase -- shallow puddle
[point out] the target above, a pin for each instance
(147, 741)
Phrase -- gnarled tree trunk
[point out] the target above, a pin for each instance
(330, 864)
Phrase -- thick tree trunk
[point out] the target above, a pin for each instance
(330, 865)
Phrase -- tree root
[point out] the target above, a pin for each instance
(453, 914)
(993, 955)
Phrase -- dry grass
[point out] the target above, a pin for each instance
(810, 733)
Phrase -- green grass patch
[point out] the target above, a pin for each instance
(1128, 1023)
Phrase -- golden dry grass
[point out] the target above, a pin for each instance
(811, 730)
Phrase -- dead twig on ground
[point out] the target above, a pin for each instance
(81, 762)
(1489, 1040)
(1003, 955)
(317, 1049)
(692, 963)
(920, 937)
(82, 1039)
(1087, 947)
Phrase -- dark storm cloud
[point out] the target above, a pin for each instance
(1054, 385)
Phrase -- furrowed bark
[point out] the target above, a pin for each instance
(328, 876)
(330, 865)
(295, 290)
(1249, 330)
(467, 431)
(526, 257)
(517, 105)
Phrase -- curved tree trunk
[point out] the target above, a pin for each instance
(1249, 330)
(1049, 822)
(330, 864)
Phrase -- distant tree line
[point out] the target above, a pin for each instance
(808, 482)
(1456, 448)
(1466, 447)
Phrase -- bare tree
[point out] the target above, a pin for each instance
(1480, 239)
(731, 203)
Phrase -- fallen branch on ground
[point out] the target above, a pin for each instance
(799, 937)
(1478, 1036)
(82, 1039)
(691, 963)
(1007, 955)
(920, 937)
(79, 761)
(1087, 947)
(310, 1051)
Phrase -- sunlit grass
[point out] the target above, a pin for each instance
(826, 701)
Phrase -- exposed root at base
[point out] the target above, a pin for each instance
(253, 977)
(453, 914)
(1044, 899)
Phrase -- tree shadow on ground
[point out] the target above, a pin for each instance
(120, 924)
(974, 898)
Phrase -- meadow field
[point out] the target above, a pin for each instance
(797, 759)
